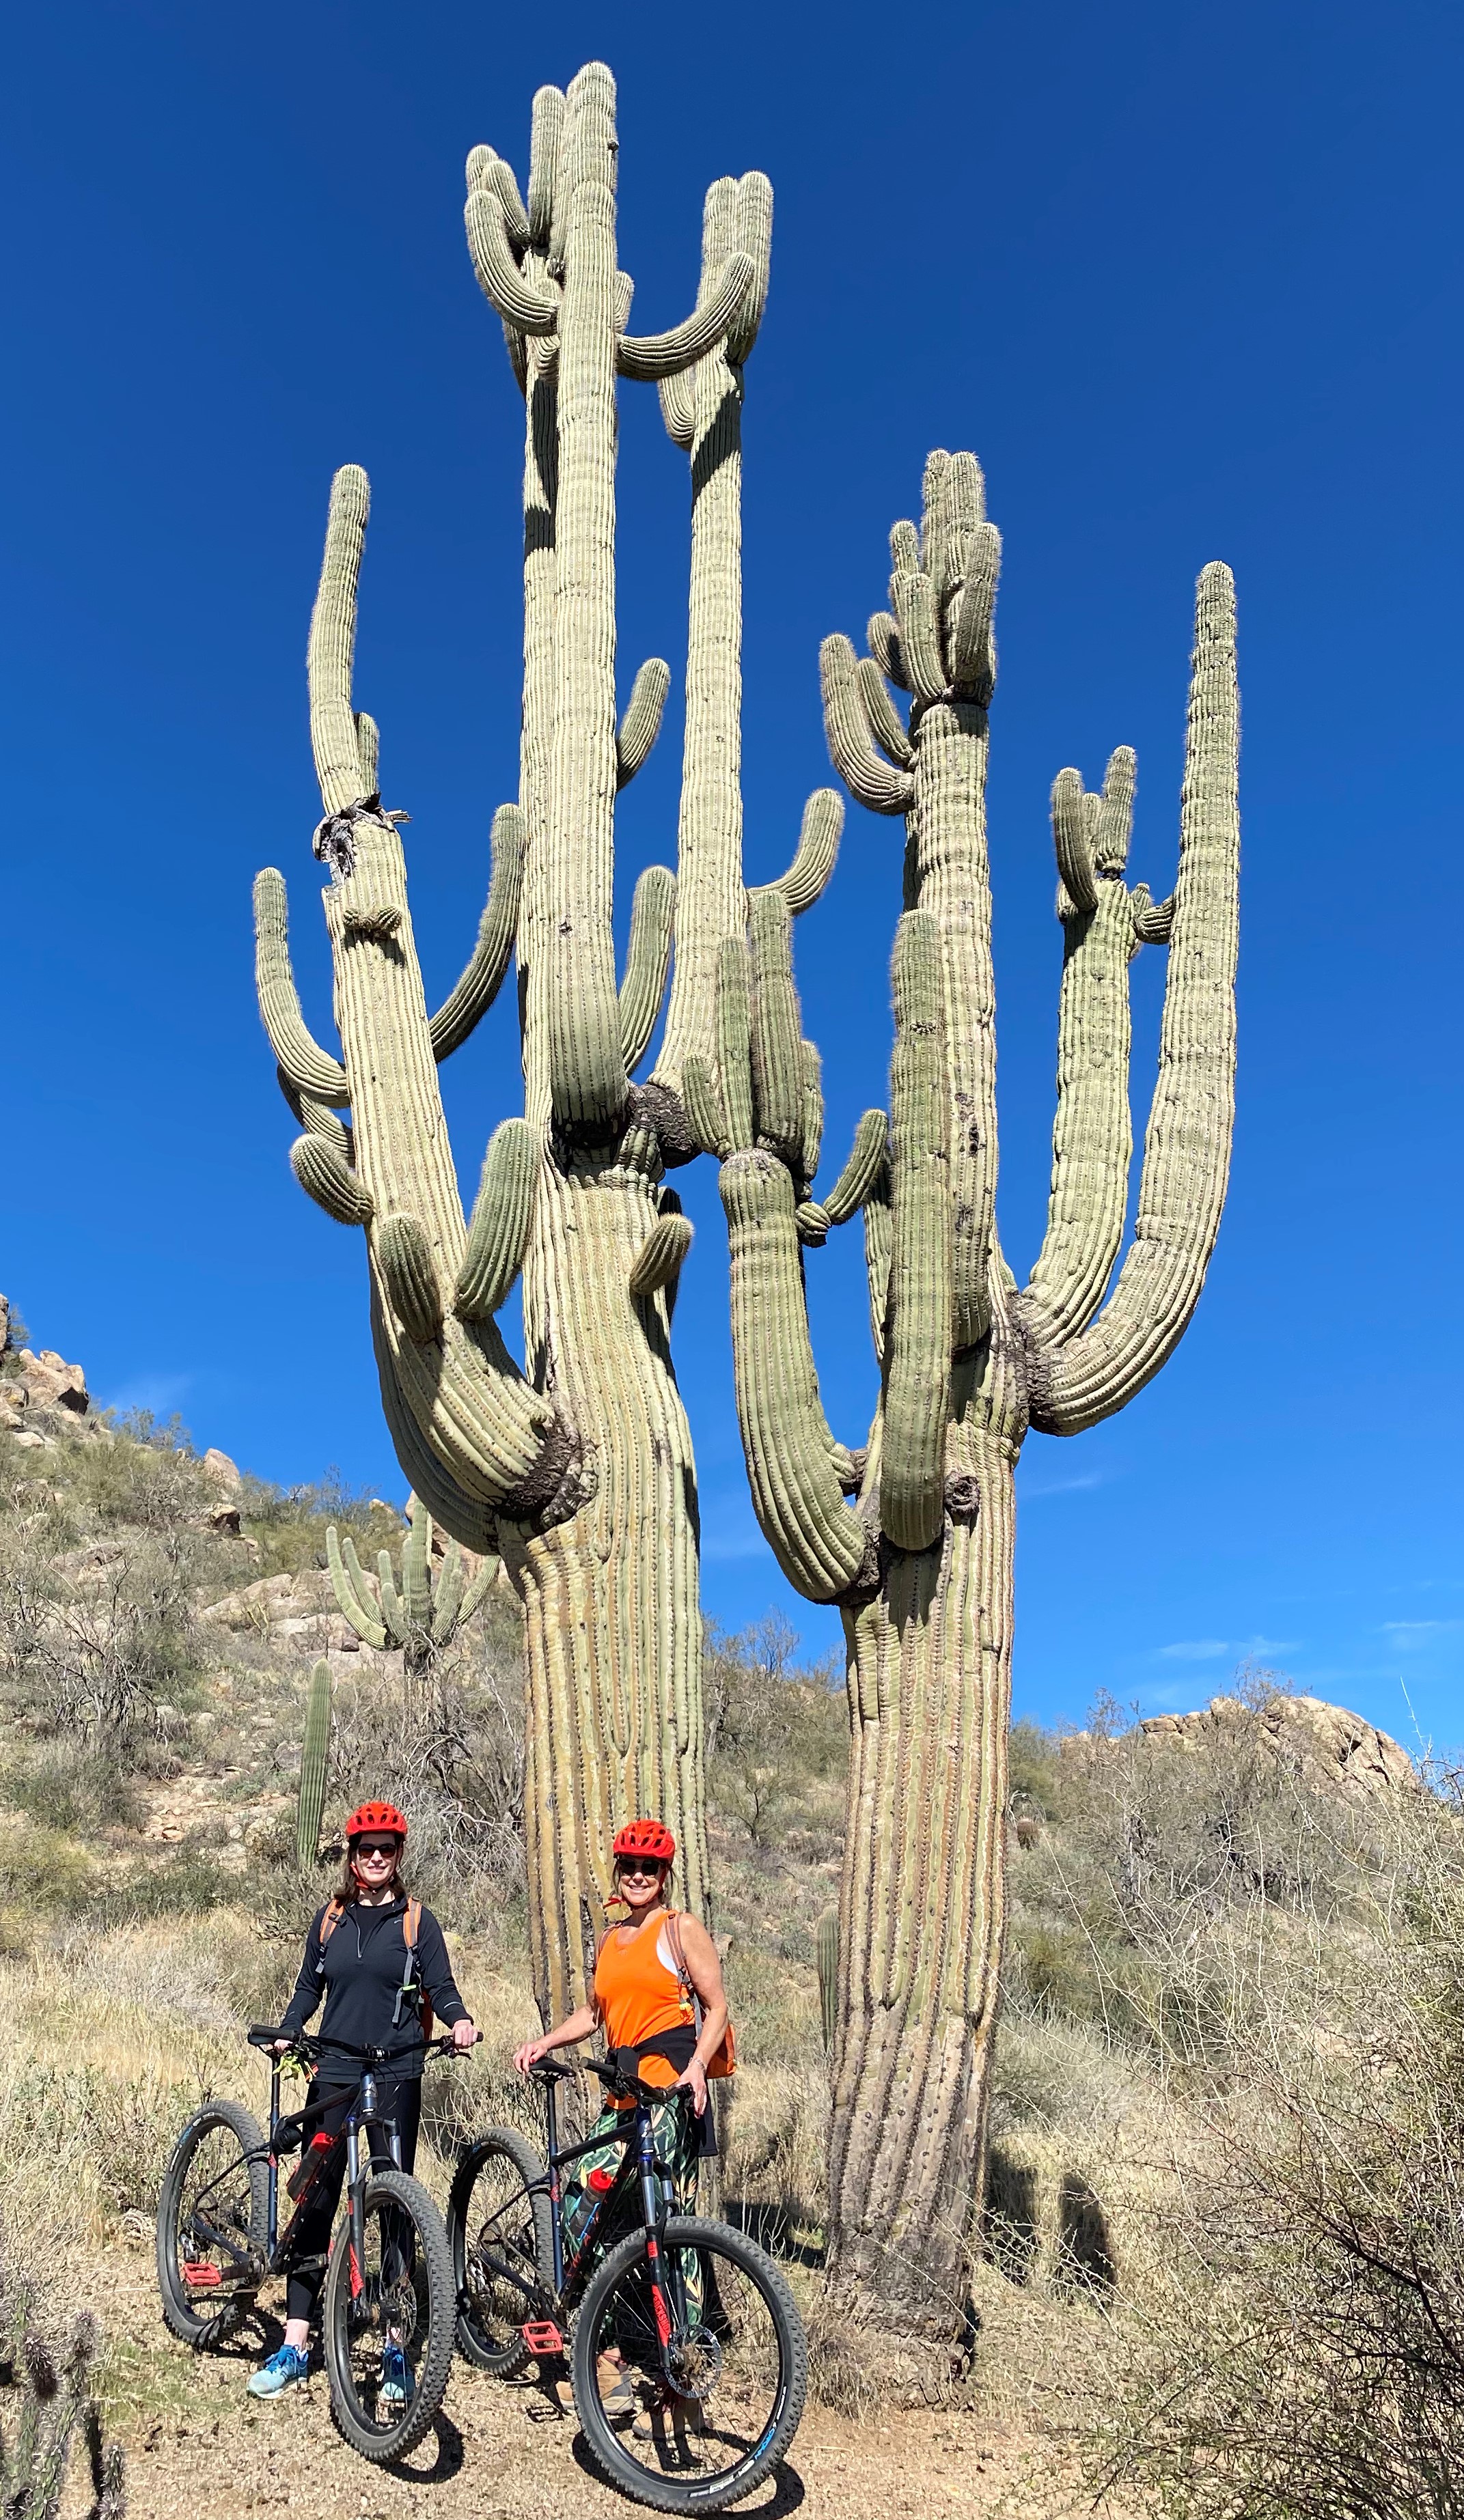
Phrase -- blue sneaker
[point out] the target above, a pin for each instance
(284, 2370)
(399, 2386)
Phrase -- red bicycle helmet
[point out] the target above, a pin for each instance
(383, 1815)
(649, 1837)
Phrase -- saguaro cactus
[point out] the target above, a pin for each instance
(577, 1467)
(417, 1607)
(315, 1760)
(913, 1535)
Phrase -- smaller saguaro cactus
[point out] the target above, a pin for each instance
(55, 2398)
(413, 1612)
(826, 1950)
(314, 1758)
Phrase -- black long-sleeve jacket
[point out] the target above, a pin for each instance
(360, 1971)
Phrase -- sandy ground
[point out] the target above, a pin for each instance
(208, 2452)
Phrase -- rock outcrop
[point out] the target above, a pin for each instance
(1326, 1745)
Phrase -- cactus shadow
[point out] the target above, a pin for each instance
(1011, 2234)
(773, 2227)
(1084, 2243)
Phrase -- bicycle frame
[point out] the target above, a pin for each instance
(655, 2180)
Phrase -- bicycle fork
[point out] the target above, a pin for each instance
(665, 2278)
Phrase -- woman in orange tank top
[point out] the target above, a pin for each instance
(644, 2007)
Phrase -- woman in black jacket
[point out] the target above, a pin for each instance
(375, 1974)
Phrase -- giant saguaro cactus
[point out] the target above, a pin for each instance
(576, 1466)
(913, 1535)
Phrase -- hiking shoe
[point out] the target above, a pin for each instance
(619, 2400)
(398, 2385)
(284, 2370)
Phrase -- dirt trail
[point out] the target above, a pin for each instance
(505, 2454)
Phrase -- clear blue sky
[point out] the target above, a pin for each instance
(1186, 278)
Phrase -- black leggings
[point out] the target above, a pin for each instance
(400, 2102)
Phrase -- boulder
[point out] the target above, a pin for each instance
(218, 1467)
(52, 1384)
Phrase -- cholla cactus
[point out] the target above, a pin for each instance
(415, 1610)
(577, 1467)
(55, 2398)
(912, 1536)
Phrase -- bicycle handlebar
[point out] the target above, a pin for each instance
(626, 2087)
(303, 2043)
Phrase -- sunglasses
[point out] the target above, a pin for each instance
(640, 1872)
(381, 1851)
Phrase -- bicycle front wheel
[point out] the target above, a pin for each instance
(388, 2318)
(698, 2425)
(211, 2216)
(502, 2243)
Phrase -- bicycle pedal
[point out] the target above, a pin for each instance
(541, 2336)
(197, 2271)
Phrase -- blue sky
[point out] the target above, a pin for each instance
(1186, 280)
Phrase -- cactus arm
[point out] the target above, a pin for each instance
(775, 1030)
(813, 1110)
(314, 1755)
(393, 1609)
(546, 133)
(678, 409)
(571, 978)
(478, 1589)
(973, 652)
(307, 1068)
(822, 1544)
(917, 1368)
(704, 412)
(497, 1441)
(878, 1248)
(1092, 1138)
(466, 1515)
(328, 1179)
(883, 635)
(448, 1601)
(867, 1160)
(416, 1565)
(1187, 1146)
(882, 716)
(871, 781)
(501, 1223)
(482, 976)
(734, 1027)
(649, 356)
(1072, 839)
(658, 1261)
(826, 1949)
(648, 959)
(352, 1599)
(813, 861)
(641, 724)
(705, 1108)
(1153, 921)
(920, 645)
(530, 310)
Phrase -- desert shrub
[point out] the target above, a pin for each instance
(775, 1730)
(287, 1525)
(102, 1653)
(187, 1883)
(70, 1793)
(1298, 2346)
(42, 1875)
(147, 1478)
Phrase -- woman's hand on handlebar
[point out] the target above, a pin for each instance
(464, 2035)
(529, 2055)
(694, 2080)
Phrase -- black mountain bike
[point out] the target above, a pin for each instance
(687, 2356)
(388, 2272)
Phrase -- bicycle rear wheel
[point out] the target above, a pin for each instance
(398, 2292)
(706, 2434)
(212, 2211)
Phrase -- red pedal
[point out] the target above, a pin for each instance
(541, 2337)
(199, 2271)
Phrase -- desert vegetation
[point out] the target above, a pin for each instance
(1221, 2267)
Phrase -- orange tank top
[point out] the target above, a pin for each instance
(638, 1995)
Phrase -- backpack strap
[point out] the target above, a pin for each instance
(410, 1987)
(673, 1937)
(330, 1917)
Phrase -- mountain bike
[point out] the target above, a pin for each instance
(389, 2272)
(687, 2356)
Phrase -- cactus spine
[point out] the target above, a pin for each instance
(314, 1759)
(577, 1464)
(417, 1609)
(920, 1560)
